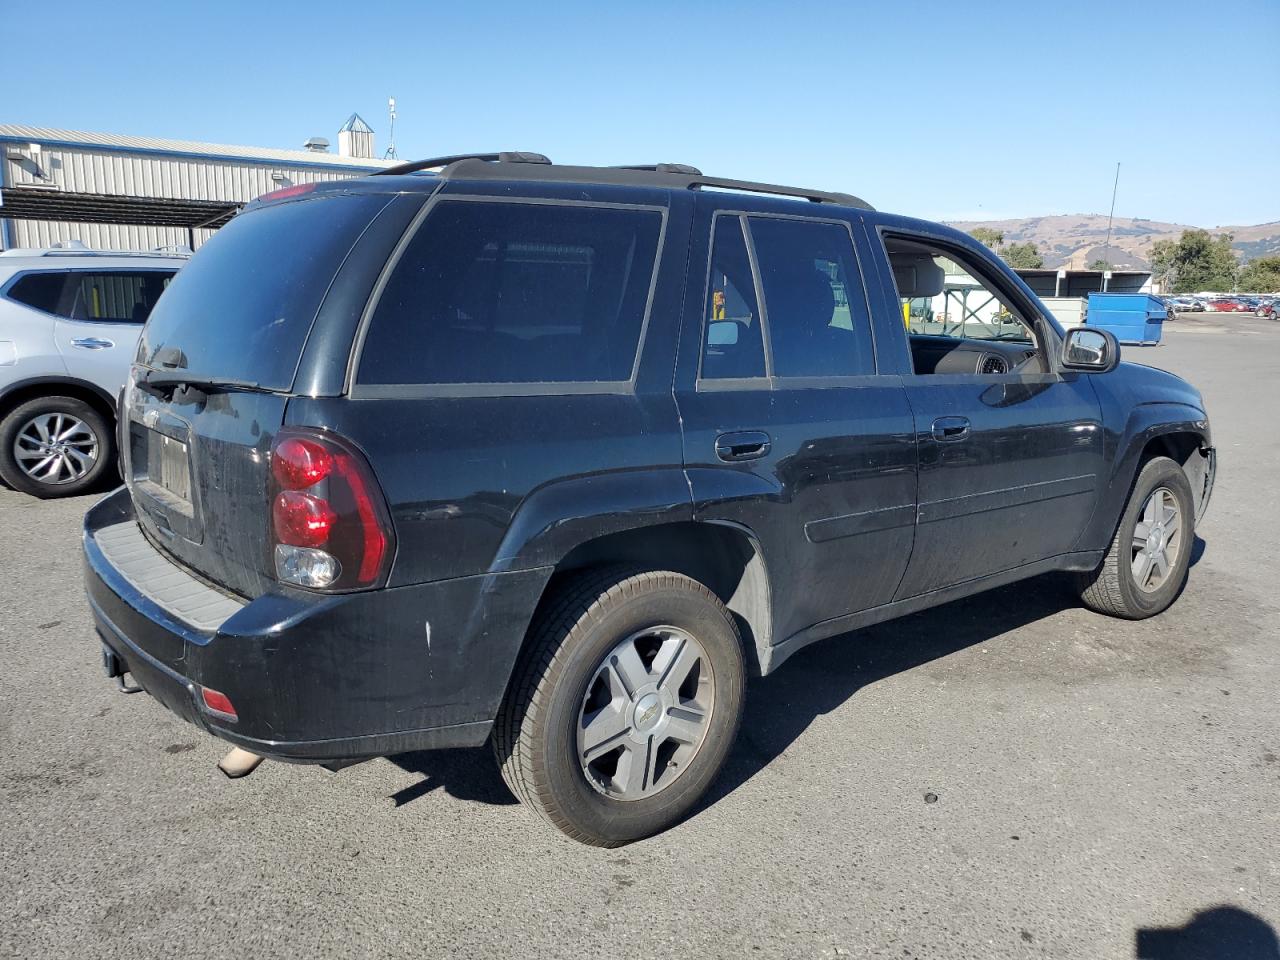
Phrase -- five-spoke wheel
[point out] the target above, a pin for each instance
(645, 713)
(624, 705)
(1146, 564)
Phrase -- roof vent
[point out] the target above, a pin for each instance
(317, 145)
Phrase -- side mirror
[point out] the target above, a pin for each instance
(722, 333)
(1090, 350)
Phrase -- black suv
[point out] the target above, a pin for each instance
(556, 456)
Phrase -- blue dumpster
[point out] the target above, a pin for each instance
(1132, 317)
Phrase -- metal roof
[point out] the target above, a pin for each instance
(21, 133)
(355, 124)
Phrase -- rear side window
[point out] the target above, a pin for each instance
(113, 297)
(734, 346)
(819, 324)
(515, 293)
(40, 290)
(106, 296)
(243, 306)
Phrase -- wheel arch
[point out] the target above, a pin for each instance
(1178, 431)
(726, 558)
(20, 392)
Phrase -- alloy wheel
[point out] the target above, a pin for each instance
(646, 713)
(56, 448)
(1157, 540)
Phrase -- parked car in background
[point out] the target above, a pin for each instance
(1228, 305)
(1185, 305)
(1268, 308)
(69, 324)
(554, 457)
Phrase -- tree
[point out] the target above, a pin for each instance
(1099, 264)
(1261, 275)
(1022, 256)
(992, 238)
(1197, 260)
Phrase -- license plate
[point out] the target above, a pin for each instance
(167, 465)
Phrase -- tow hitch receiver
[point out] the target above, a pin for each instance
(116, 670)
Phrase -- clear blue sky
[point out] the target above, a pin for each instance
(942, 110)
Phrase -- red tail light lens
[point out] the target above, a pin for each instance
(302, 520)
(298, 463)
(330, 526)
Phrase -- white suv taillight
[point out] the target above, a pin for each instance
(329, 522)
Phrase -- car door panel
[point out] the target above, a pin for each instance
(1018, 483)
(98, 352)
(832, 497)
(1018, 488)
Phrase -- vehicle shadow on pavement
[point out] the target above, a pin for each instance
(1218, 932)
(816, 680)
(820, 678)
(468, 774)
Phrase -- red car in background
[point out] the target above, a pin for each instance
(1227, 305)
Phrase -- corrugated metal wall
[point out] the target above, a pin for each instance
(85, 170)
(98, 236)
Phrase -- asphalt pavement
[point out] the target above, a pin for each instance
(1005, 776)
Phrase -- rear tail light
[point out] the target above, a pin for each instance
(329, 523)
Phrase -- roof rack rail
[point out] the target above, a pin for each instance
(505, 156)
(663, 168)
(751, 186)
(670, 176)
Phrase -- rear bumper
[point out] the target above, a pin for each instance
(317, 678)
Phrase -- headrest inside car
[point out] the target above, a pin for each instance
(918, 275)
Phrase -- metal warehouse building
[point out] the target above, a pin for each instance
(136, 193)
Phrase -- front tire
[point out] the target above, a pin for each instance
(55, 447)
(1146, 565)
(624, 707)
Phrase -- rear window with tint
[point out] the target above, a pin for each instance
(243, 306)
(515, 293)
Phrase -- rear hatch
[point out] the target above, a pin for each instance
(234, 323)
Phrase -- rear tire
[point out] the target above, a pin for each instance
(1132, 582)
(599, 731)
(55, 447)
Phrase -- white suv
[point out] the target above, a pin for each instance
(69, 325)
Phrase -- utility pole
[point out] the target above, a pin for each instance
(1114, 187)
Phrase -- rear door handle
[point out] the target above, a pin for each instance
(92, 343)
(947, 429)
(747, 445)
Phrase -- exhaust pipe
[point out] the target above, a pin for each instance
(239, 763)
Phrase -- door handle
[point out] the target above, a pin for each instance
(748, 445)
(946, 429)
(92, 343)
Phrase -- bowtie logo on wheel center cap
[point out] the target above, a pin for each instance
(648, 710)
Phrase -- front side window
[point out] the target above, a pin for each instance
(959, 321)
(490, 293)
(815, 309)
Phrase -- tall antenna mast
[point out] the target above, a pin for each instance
(391, 142)
(1114, 187)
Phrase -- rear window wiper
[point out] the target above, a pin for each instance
(165, 385)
